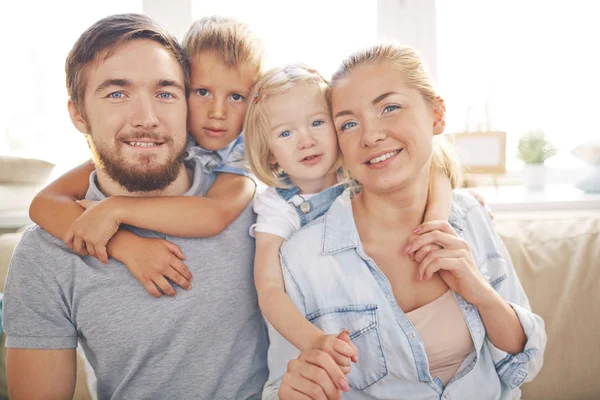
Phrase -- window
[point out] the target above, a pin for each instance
(521, 65)
(38, 35)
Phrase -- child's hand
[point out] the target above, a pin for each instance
(90, 233)
(339, 347)
(152, 260)
(479, 197)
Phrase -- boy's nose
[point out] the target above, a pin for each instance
(217, 110)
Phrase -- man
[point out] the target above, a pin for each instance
(205, 343)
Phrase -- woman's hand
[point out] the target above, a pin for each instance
(90, 233)
(314, 375)
(454, 261)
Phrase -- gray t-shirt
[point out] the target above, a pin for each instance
(206, 343)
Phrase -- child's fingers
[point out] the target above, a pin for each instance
(180, 267)
(343, 348)
(79, 246)
(429, 226)
(102, 254)
(175, 250)
(344, 335)
(69, 238)
(164, 285)
(89, 246)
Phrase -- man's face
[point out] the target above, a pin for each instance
(218, 99)
(135, 115)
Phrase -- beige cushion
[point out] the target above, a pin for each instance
(557, 259)
(24, 170)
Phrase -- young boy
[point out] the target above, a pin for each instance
(225, 60)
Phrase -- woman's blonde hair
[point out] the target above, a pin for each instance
(410, 63)
(256, 126)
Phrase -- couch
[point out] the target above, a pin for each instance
(557, 257)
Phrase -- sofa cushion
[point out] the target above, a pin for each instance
(556, 256)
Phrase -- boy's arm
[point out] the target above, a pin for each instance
(188, 216)
(41, 374)
(54, 207)
(149, 260)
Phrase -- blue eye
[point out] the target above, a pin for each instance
(116, 95)
(237, 97)
(318, 123)
(166, 96)
(285, 134)
(390, 108)
(348, 125)
(202, 92)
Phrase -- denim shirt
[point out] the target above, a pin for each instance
(229, 159)
(310, 209)
(337, 285)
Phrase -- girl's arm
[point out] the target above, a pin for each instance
(281, 312)
(439, 201)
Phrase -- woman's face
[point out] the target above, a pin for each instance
(385, 127)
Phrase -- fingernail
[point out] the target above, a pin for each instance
(408, 249)
(417, 229)
(344, 330)
(344, 385)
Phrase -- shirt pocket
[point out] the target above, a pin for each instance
(361, 322)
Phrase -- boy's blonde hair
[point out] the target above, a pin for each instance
(256, 125)
(231, 40)
(408, 61)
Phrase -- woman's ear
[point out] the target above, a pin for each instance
(77, 118)
(439, 116)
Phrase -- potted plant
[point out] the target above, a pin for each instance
(533, 149)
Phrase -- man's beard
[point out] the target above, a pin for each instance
(145, 175)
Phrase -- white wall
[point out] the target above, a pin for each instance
(175, 15)
(410, 22)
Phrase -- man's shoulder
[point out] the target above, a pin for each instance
(36, 243)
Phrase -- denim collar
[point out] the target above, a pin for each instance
(340, 233)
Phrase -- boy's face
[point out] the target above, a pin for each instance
(217, 100)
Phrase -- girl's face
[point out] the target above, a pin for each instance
(385, 127)
(302, 139)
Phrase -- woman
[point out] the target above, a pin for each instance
(435, 311)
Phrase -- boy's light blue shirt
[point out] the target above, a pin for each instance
(337, 285)
(229, 159)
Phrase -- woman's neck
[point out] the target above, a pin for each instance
(316, 185)
(379, 216)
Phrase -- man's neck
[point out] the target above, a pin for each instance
(179, 186)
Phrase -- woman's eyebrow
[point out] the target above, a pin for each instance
(381, 97)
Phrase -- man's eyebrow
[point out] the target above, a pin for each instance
(383, 96)
(112, 82)
(170, 83)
